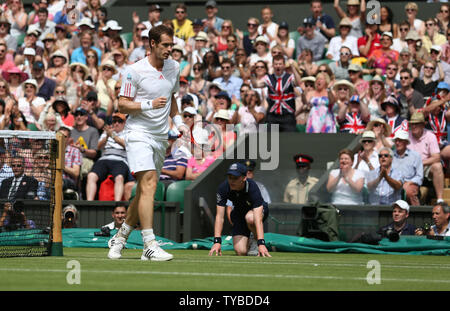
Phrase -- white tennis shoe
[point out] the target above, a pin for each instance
(116, 244)
(155, 253)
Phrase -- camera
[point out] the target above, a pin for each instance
(425, 228)
(391, 234)
(104, 231)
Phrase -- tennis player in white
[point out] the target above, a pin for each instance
(147, 96)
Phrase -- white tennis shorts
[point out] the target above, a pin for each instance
(144, 153)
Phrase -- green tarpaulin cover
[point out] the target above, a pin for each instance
(411, 245)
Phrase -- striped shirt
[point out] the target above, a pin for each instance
(171, 163)
(384, 194)
(73, 157)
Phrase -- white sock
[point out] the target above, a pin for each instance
(124, 231)
(147, 236)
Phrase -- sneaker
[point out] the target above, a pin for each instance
(116, 244)
(155, 253)
(252, 247)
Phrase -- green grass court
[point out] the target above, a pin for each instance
(194, 270)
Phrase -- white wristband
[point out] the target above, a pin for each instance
(178, 121)
(147, 105)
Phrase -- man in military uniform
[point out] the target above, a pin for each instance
(298, 189)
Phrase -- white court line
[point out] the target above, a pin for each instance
(426, 266)
(233, 275)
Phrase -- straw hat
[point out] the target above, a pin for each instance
(222, 114)
(58, 53)
(417, 117)
(110, 64)
(367, 135)
(345, 83)
(387, 127)
(83, 66)
(345, 22)
(309, 78)
(377, 78)
(353, 2)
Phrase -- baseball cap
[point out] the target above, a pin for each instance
(119, 115)
(91, 95)
(197, 22)
(237, 169)
(223, 94)
(187, 98)
(283, 25)
(211, 3)
(354, 99)
(308, 21)
(261, 39)
(38, 65)
(401, 134)
(436, 48)
(402, 204)
(155, 7)
(191, 110)
(29, 51)
(81, 110)
(443, 86)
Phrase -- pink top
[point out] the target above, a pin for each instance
(426, 145)
(200, 168)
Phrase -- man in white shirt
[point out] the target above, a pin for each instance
(119, 214)
(344, 39)
(147, 95)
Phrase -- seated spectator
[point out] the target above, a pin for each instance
(178, 54)
(366, 160)
(411, 10)
(426, 85)
(262, 53)
(112, 162)
(432, 35)
(375, 96)
(410, 99)
(42, 173)
(381, 58)
(226, 135)
(31, 104)
(20, 186)
(391, 108)
(400, 41)
(119, 214)
(228, 82)
(343, 39)
(222, 101)
(385, 182)
(446, 48)
(400, 214)
(57, 68)
(200, 159)
(297, 190)
(418, 53)
(356, 15)
(96, 116)
(15, 77)
(311, 40)
(175, 163)
(230, 51)
(250, 114)
(437, 117)
(387, 21)
(436, 57)
(355, 75)
(321, 101)
(441, 219)
(370, 42)
(61, 106)
(392, 85)
(346, 183)
(425, 143)
(340, 67)
(282, 38)
(73, 161)
(353, 115)
(12, 218)
(105, 84)
(306, 63)
(86, 42)
(5, 169)
(382, 132)
(78, 74)
(410, 162)
(46, 86)
(85, 138)
(140, 52)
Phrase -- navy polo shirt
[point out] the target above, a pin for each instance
(243, 201)
(408, 229)
(325, 19)
(47, 89)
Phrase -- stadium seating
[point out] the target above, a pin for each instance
(175, 192)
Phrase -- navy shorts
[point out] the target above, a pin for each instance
(240, 225)
(103, 168)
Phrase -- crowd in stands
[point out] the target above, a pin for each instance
(387, 82)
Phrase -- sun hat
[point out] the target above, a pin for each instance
(417, 117)
(387, 127)
(367, 135)
(30, 81)
(345, 83)
(402, 134)
(110, 64)
(6, 74)
(222, 114)
(83, 66)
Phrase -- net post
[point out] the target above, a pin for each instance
(57, 245)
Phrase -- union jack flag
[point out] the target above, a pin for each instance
(281, 93)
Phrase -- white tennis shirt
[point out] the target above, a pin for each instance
(142, 82)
